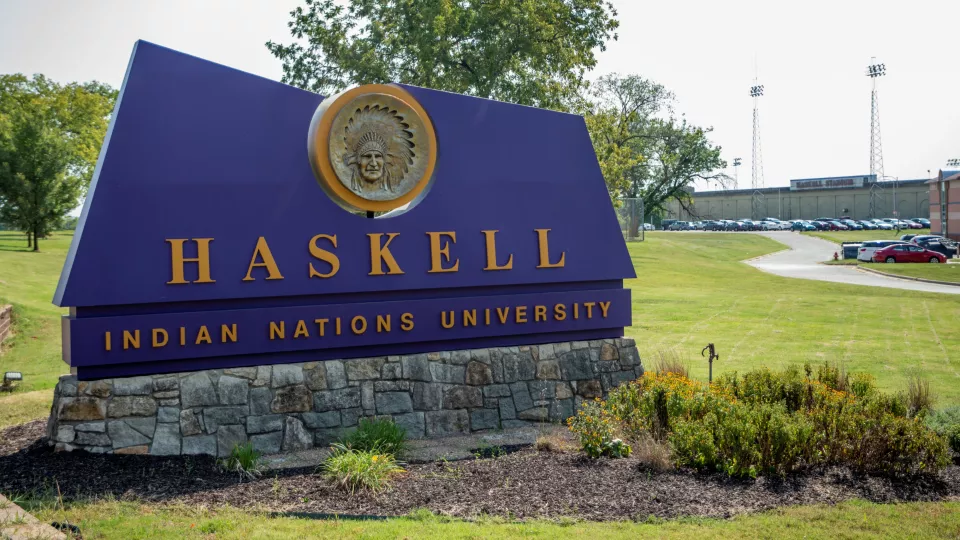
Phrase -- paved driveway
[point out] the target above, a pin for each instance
(801, 261)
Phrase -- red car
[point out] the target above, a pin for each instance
(904, 253)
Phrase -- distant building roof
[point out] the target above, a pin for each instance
(786, 189)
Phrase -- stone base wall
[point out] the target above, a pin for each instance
(290, 407)
(6, 322)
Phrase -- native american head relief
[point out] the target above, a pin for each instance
(378, 147)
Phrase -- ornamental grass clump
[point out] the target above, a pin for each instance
(245, 461)
(766, 422)
(380, 436)
(354, 470)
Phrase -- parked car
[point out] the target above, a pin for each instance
(649, 227)
(907, 237)
(730, 225)
(839, 226)
(667, 223)
(679, 226)
(911, 224)
(936, 243)
(852, 225)
(923, 221)
(903, 253)
(883, 225)
(868, 225)
(870, 247)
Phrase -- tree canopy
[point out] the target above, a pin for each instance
(50, 137)
(531, 52)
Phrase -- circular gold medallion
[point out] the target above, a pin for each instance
(372, 148)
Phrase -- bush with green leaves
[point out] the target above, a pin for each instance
(354, 469)
(245, 461)
(766, 422)
(947, 424)
(381, 436)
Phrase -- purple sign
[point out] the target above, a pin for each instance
(235, 204)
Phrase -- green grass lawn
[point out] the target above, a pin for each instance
(938, 272)
(128, 520)
(860, 236)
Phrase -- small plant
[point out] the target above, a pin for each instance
(669, 361)
(652, 453)
(946, 423)
(353, 469)
(379, 436)
(595, 428)
(245, 461)
(553, 442)
(919, 397)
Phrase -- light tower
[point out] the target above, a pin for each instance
(875, 71)
(756, 172)
(736, 171)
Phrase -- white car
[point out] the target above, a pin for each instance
(649, 227)
(868, 248)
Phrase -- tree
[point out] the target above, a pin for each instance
(50, 137)
(531, 52)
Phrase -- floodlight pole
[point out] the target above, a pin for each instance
(874, 71)
(756, 172)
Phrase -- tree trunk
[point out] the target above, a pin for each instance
(29, 241)
(36, 242)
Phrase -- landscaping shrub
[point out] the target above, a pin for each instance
(379, 436)
(947, 424)
(919, 397)
(354, 469)
(653, 453)
(670, 361)
(765, 422)
(243, 460)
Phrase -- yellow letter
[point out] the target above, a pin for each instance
(520, 314)
(560, 312)
(486, 316)
(443, 319)
(131, 340)
(545, 251)
(228, 332)
(203, 335)
(469, 317)
(183, 336)
(503, 314)
(202, 260)
(263, 251)
(321, 323)
(381, 254)
(106, 338)
(406, 322)
(491, 241)
(436, 251)
(383, 324)
(157, 332)
(539, 313)
(604, 306)
(362, 328)
(278, 331)
(324, 256)
(589, 306)
(576, 310)
(337, 320)
(301, 330)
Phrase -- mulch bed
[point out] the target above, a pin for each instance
(523, 484)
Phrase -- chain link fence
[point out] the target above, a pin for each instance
(631, 218)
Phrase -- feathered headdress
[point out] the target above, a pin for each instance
(375, 127)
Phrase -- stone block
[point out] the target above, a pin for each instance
(496, 366)
(620, 377)
(200, 445)
(190, 424)
(562, 391)
(249, 373)
(286, 375)
(479, 374)
(291, 399)
(576, 345)
(589, 389)
(316, 378)
(521, 396)
(608, 352)
(607, 366)
(416, 368)
(548, 370)
(133, 386)
(497, 390)
(546, 352)
(629, 357)
(484, 419)
(96, 427)
(336, 375)
(364, 369)
(166, 384)
(344, 398)
(260, 400)
(445, 423)
(447, 373)
(169, 394)
(197, 391)
(228, 437)
(124, 406)
(427, 396)
(561, 409)
(542, 389)
(536, 414)
(233, 390)
(412, 423)
(65, 434)
(366, 396)
(561, 348)
(392, 371)
(512, 424)
(321, 420)
(518, 368)
(168, 414)
(264, 373)
(173, 402)
(263, 424)
(391, 386)
(626, 342)
(123, 434)
(133, 450)
(394, 402)
(82, 408)
(324, 437)
(267, 443)
(100, 389)
(214, 417)
(575, 365)
(462, 397)
(67, 386)
(350, 417)
(295, 437)
(166, 440)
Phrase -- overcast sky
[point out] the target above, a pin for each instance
(811, 57)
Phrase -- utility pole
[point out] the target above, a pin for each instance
(736, 172)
